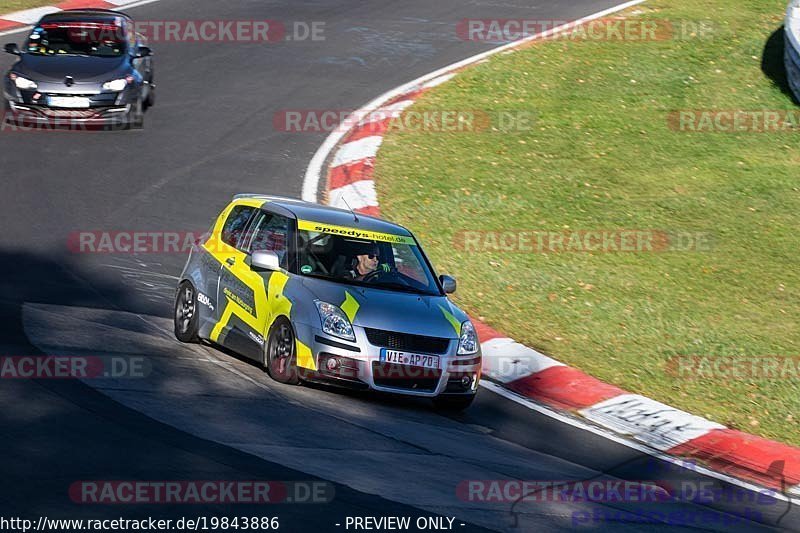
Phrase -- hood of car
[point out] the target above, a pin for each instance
(433, 316)
(83, 69)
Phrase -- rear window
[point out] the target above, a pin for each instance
(77, 38)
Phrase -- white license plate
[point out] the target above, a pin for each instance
(410, 359)
(71, 102)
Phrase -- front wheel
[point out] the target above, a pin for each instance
(135, 117)
(453, 403)
(281, 356)
(186, 318)
(150, 101)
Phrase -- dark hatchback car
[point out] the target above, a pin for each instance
(83, 67)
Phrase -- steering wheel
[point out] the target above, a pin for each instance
(375, 274)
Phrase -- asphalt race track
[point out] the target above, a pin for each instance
(204, 414)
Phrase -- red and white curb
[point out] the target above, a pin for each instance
(347, 158)
(27, 17)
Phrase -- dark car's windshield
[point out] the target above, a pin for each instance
(379, 260)
(85, 39)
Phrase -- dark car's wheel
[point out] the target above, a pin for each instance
(186, 318)
(150, 101)
(281, 353)
(453, 403)
(136, 116)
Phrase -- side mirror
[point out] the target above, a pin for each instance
(143, 51)
(448, 284)
(13, 49)
(265, 260)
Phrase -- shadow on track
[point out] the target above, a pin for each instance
(60, 431)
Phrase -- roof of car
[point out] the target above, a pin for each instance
(84, 15)
(330, 215)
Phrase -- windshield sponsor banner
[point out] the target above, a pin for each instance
(355, 233)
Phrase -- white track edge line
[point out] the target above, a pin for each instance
(310, 191)
(314, 171)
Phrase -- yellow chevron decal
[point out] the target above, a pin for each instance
(350, 306)
(305, 359)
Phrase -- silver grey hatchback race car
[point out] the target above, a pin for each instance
(316, 293)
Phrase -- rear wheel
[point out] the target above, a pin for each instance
(281, 356)
(453, 403)
(186, 318)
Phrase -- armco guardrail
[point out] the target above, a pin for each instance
(791, 55)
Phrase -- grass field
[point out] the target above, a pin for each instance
(602, 156)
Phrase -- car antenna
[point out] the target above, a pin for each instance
(355, 217)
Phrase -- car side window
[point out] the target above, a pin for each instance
(270, 232)
(235, 225)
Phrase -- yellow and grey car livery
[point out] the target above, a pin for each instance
(238, 304)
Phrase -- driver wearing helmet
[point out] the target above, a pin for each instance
(365, 262)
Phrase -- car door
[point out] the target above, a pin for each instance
(224, 249)
(246, 291)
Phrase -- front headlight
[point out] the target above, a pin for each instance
(334, 321)
(116, 85)
(23, 83)
(468, 343)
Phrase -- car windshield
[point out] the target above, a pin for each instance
(85, 39)
(372, 259)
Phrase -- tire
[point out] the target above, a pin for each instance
(453, 403)
(280, 356)
(136, 116)
(185, 316)
(150, 101)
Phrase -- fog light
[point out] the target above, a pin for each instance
(332, 363)
(466, 381)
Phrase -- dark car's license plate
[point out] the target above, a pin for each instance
(69, 102)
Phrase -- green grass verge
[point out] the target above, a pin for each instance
(8, 6)
(601, 156)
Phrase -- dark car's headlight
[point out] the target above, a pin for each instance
(23, 83)
(334, 321)
(117, 85)
(468, 342)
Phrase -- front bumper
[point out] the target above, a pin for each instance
(43, 117)
(358, 366)
(29, 109)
